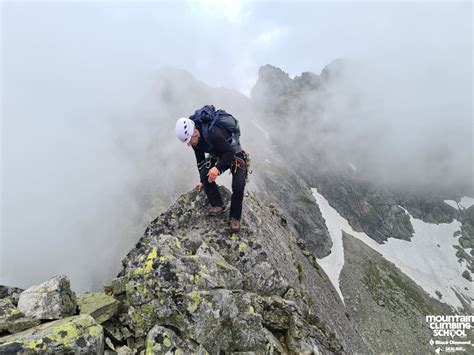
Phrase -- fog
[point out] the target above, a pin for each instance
(89, 102)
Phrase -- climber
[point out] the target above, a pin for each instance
(218, 135)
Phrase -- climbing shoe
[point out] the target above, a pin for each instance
(216, 210)
(234, 224)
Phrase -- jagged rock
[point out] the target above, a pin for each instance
(125, 350)
(366, 207)
(119, 285)
(8, 311)
(8, 314)
(12, 292)
(73, 334)
(12, 320)
(426, 206)
(297, 195)
(52, 299)
(109, 344)
(112, 330)
(20, 324)
(99, 305)
(161, 340)
(333, 70)
(222, 291)
(307, 81)
(467, 275)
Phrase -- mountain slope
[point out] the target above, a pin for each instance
(214, 288)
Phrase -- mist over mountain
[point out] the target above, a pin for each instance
(361, 145)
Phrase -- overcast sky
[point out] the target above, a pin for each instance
(67, 67)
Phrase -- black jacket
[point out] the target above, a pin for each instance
(221, 148)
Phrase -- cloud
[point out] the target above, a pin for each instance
(234, 11)
(269, 37)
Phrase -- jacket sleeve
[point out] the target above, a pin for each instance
(223, 149)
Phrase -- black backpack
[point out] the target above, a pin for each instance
(207, 117)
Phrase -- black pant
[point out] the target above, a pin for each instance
(238, 186)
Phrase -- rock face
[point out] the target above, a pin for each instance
(79, 334)
(52, 299)
(194, 286)
(99, 305)
(280, 95)
(367, 208)
(389, 306)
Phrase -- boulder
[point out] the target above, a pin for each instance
(52, 299)
(118, 285)
(12, 292)
(161, 340)
(99, 305)
(8, 314)
(79, 334)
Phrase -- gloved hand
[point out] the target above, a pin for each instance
(199, 186)
(213, 172)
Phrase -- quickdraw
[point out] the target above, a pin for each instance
(207, 163)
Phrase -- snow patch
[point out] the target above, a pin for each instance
(433, 268)
(465, 203)
(452, 203)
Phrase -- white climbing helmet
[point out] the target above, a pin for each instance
(184, 129)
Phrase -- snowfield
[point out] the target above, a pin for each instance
(465, 203)
(428, 259)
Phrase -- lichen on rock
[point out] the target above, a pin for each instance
(73, 334)
(195, 286)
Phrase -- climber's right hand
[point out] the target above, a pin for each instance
(199, 186)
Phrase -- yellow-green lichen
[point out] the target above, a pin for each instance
(138, 271)
(65, 334)
(196, 278)
(149, 347)
(142, 316)
(223, 264)
(62, 333)
(164, 258)
(95, 331)
(233, 237)
(149, 261)
(166, 342)
(178, 244)
(251, 310)
(242, 246)
(34, 343)
(195, 301)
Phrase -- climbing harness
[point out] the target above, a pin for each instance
(242, 163)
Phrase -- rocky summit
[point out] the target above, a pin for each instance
(191, 286)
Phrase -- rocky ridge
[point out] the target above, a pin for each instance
(189, 285)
